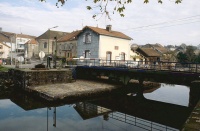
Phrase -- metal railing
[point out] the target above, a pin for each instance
(138, 122)
(130, 64)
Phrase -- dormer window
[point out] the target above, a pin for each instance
(87, 38)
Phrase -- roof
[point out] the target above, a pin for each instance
(160, 48)
(50, 34)
(148, 52)
(5, 45)
(5, 36)
(32, 41)
(25, 36)
(111, 33)
(70, 36)
(157, 47)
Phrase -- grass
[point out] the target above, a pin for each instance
(3, 69)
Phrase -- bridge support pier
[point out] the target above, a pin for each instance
(140, 88)
(194, 93)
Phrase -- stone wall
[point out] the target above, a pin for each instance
(24, 78)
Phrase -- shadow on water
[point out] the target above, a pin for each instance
(133, 109)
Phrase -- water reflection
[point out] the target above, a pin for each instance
(88, 110)
(115, 112)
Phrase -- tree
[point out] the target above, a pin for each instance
(119, 5)
(190, 54)
(197, 58)
(181, 57)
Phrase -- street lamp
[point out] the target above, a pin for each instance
(49, 36)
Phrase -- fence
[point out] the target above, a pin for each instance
(148, 65)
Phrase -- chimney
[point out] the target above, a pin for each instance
(108, 27)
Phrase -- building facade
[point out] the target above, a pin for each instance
(31, 49)
(47, 41)
(4, 51)
(67, 45)
(105, 44)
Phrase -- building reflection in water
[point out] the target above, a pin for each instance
(88, 110)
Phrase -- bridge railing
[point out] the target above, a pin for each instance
(130, 64)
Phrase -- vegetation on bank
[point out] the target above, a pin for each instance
(3, 69)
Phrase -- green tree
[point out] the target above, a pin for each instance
(190, 54)
(181, 57)
(197, 58)
(119, 5)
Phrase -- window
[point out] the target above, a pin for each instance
(108, 56)
(116, 47)
(87, 53)
(87, 38)
(122, 56)
(1, 46)
(45, 44)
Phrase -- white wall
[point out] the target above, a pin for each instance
(107, 43)
(5, 50)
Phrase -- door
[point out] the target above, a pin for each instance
(108, 57)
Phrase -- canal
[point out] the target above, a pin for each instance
(163, 108)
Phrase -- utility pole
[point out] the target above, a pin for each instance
(55, 51)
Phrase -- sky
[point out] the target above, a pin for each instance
(167, 23)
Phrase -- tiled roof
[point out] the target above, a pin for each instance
(4, 36)
(32, 41)
(160, 48)
(112, 33)
(25, 36)
(148, 52)
(69, 37)
(51, 34)
(5, 45)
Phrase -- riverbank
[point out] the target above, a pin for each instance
(193, 122)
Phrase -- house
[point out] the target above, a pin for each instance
(105, 44)
(47, 41)
(160, 49)
(8, 38)
(31, 49)
(21, 39)
(67, 45)
(149, 55)
(170, 48)
(4, 51)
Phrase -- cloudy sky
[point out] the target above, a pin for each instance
(166, 23)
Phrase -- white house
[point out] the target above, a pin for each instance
(21, 39)
(4, 51)
(105, 44)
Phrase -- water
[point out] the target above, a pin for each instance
(116, 113)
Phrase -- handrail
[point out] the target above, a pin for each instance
(130, 64)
